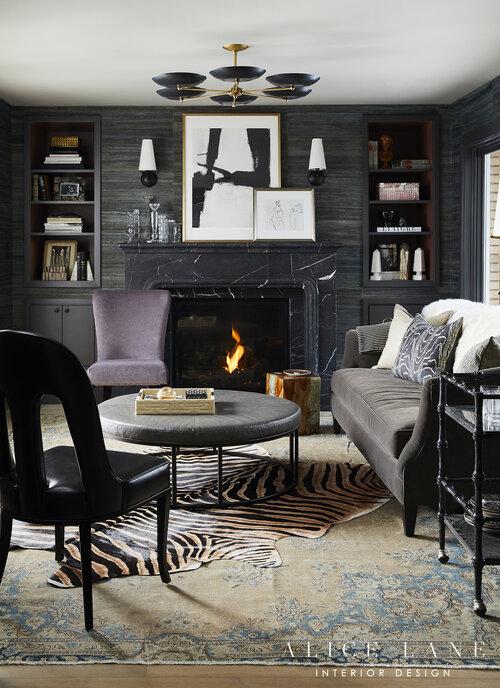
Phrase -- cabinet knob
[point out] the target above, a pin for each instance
(66, 310)
(56, 310)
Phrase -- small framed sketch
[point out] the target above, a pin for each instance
(284, 215)
(388, 257)
(59, 256)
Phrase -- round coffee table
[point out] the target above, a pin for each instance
(240, 418)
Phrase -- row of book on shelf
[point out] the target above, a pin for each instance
(65, 223)
(60, 188)
(64, 151)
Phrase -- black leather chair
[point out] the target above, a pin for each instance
(66, 485)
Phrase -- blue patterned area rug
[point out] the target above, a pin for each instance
(358, 594)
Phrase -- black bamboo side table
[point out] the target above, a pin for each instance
(483, 546)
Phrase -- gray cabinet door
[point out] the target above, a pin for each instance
(69, 322)
(78, 331)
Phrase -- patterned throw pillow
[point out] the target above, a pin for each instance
(426, 351)
(372, 337)
(484, 355)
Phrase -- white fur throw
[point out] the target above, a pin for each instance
(479, 322)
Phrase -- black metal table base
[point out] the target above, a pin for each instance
(291, 471)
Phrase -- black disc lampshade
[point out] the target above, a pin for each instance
(173, 93)
(179, 78)
(237, 73)
(298, 92)
(294, 78)
(227, 99)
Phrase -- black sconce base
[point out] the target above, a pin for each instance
(316, 177)
(148, 178)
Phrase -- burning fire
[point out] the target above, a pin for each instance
(233, 358)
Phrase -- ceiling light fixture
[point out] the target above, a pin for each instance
(184, 85)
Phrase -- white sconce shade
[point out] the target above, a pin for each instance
(317, 156)
(147, 163)
(316, 163)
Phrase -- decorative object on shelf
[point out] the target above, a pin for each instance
(153, 206)
(372, 155)
(491, 509)
(317, 163)
(389, 257)
(60, 255)
(134, 224)
(64, 223)
(404, 259)
(225, 158)
(81, 266)
(398, 191)
(147, 163)
(388, 217)
(385, 154)
(411, 164)
(419, 265)
(69, 189)
(177, 232)
(376, 265)
(284, 214)
(184, 85)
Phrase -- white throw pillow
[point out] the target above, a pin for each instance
(400, 323)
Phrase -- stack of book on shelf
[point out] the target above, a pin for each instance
(64, 152)
(423, 164)
(64, 223)
(54, 274)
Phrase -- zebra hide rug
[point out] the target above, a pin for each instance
(326, 494)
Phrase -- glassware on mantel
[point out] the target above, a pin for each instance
(154, 220)
(163, 228)
(133, 224)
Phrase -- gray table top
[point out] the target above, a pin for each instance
(240, 417)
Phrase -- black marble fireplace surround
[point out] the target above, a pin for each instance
(304, 273)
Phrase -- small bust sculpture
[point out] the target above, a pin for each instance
(385, 153)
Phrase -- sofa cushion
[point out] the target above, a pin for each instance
(386, 406)
(399, 324)
(486, 354)
(426, 351)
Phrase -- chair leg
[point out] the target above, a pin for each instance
(337, 430)
(106, 393)
(5, 532)
(59, 533)
(162, 509)
(409, 519)
(86, 559)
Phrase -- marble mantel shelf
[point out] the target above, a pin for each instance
(233, 247)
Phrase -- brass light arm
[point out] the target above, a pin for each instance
(185, 100)
(277, 88)
(262, 95)
(194, 88)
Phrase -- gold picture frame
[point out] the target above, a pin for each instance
(59, 254)
(226, 156)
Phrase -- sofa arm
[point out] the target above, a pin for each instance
(352, 357)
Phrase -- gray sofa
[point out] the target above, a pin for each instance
(394, 424)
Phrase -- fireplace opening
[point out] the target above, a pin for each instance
(229, 343)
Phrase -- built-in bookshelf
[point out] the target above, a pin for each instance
(62, 200)
(412, 172)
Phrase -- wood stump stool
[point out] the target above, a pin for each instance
(304, 391)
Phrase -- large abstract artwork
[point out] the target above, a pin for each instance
(225, 158)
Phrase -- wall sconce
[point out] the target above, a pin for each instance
(317, 163)
(147, 163)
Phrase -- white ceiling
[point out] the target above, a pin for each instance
(104, 52)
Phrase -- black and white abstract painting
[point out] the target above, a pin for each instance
(225, 158)
(284, 214)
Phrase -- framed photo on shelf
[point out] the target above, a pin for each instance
(59, 256)
(224, 158)
(388, 257)
(284, 215)
(69, 189)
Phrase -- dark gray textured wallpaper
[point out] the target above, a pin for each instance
(338, 200)
(5, 215)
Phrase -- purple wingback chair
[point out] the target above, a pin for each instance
(130, 331)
